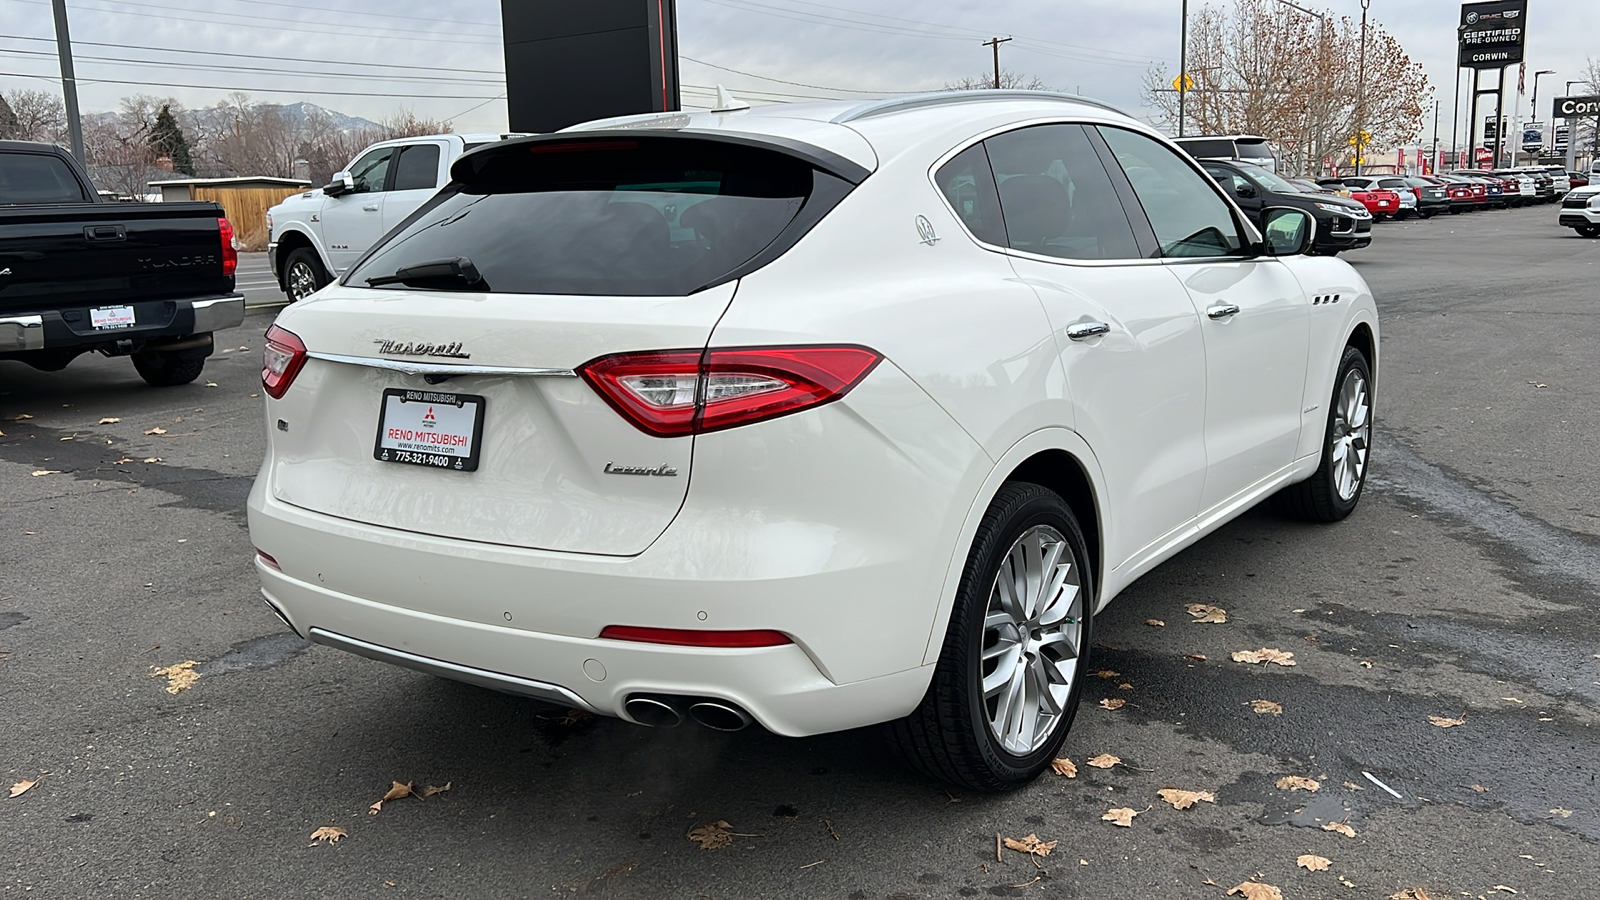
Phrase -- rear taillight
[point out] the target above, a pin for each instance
(230, 256)
(676, 392)
(687, 637)
(281, 361)
(267, 560)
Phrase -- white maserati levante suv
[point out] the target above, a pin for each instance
(816, 416)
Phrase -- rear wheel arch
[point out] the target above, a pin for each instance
(1063, 473)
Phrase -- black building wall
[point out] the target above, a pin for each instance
(568, 61)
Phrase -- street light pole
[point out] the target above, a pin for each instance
(1535, 112)
(1361, 92)
(1183, 66)
(69, 81)
(1572, 136)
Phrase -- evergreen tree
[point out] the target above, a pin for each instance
(9, 126)
(166, 139)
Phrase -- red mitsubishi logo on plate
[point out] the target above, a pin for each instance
(429, 418)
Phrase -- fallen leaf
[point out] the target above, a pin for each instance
(1443, 722)
(1064, 766)
(715, 836)
(1031, 845)
(157, 430)
(1264, 655)
(1480, 789)
(1209, 615)
(1511, 699)
(1255, 890)
(179, 677)
(153, 459)
(1312, 863)
(1107, 673)
(396, 791)
(1563, 813)
(1501, 887)
(41, 472)
(70, 437)
(1197, 657)
(1266, 707)
(1105, 761)
(121, 461)
(1113, 703)
(1415, 893)
(1155, 623)
(1298, 783)
(1185, 799)
(327, 833)
(430, 790)
(21, 787)
(1123, 816)
(1341, 828)
(1366, 664)
(20, 418)
(110, 420)
(211, 384)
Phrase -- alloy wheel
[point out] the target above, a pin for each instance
(1352, 434)
(302, 281)
(1032, 637)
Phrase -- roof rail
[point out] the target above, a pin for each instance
(951, 98)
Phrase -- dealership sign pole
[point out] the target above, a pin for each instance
(1491, 37)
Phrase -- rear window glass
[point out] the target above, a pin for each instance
(37, 178)
(656, 217)
(1253, 149)
(1208, 149)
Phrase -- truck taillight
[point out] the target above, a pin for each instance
(669, 393)
(230, 256)
(281, 361)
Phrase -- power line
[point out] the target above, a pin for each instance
(433, 79)
(431, 37)
(819, 87)
(365, 13)
(273, 57)
(265, 90)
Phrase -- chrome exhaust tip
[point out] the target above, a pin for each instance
(718, 715)
(652, 711)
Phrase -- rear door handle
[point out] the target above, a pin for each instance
(1222, 310)
(1082, 331)
(105, 233)
(371, 207)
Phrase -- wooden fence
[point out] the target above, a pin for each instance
(247, 209)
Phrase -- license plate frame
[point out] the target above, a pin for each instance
(105, 318)
(404, 436)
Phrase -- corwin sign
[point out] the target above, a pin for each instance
(1576, 107)
(1492, 34)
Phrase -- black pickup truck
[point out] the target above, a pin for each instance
(146, 280)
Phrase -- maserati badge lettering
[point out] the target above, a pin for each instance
(413, 348)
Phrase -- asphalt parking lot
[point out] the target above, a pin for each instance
(1462, 589)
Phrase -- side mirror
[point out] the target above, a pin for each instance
(342, 183)
(1246, 191)
(1287, 231)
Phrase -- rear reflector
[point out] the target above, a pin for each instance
(668, 393)
(688, 637)
(267, 560)
(285, 353)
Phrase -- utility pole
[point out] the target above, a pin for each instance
(1455, 124)
(995, 44)
(1435, 135)
(69, 82)
(1572, 135)
(1183, 66)
(1361, 92)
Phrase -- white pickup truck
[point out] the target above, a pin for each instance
(315, 236)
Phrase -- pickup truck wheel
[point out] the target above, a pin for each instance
(1015, 655)
(1589, 230)
(303, 274)
(167, 369)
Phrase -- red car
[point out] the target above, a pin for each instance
(1460, 194)
(1382, 204)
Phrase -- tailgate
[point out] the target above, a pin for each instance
(109, 253)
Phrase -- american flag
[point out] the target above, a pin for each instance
(1522, 78)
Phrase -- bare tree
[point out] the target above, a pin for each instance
(1009, 80)
(405, 123)
(40, 116)
(1263, 68)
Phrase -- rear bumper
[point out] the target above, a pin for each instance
(156, 320)
(496, 590)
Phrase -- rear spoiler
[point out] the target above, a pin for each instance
(470, 164)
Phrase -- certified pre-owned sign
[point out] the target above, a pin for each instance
(1492, 33)
(1576, 107)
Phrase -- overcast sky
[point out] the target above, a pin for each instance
(356, 51)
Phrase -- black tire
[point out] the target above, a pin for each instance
(302, 269)
(948, 736)
(1318, 498)
(167, 369)
(1588, 231)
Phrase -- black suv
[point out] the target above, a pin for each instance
(1342, 224)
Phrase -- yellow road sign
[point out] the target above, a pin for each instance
(1183, 83)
